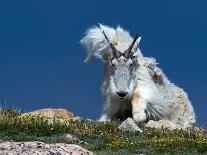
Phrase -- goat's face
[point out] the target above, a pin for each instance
(123, 65)
(122, 76)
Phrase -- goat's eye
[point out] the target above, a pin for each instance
(112, 62)
(133, 57)
(130, 65)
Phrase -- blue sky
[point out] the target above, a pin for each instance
(41, 60)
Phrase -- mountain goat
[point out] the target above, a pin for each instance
(133, 86)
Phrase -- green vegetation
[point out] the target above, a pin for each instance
(100, 137)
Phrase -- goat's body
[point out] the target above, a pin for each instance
(151, 99)
(153, 96)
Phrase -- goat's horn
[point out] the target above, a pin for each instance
(127, 52)
(115, 51)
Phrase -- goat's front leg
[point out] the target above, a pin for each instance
(104, 118)
(139, 106)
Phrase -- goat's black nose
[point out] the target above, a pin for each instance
(121, 94)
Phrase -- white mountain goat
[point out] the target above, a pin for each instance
(133, 85)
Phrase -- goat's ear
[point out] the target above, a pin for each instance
(138, 40)
(136, 45)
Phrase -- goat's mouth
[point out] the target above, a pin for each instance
(121, 98)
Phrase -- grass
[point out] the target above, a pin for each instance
(102, 138)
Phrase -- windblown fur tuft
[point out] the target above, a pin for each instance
(96, 44)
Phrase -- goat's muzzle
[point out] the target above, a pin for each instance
(122, 94)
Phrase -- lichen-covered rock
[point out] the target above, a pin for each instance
(40, 148)
(129, 125)
(53, 113)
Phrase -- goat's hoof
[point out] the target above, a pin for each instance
(139, 117)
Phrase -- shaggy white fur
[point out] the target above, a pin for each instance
(151, 94)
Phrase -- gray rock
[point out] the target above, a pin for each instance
(40, 148)
(129, 125)
(163, 124)
(69, 138)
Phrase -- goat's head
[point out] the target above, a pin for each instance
(122, 66)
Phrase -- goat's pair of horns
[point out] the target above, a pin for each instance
(116, 52)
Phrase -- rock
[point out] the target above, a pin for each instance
(40, 148)
(53, 113)
(76, 118)
(163, 124)
(129, 125)
(69, 138)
